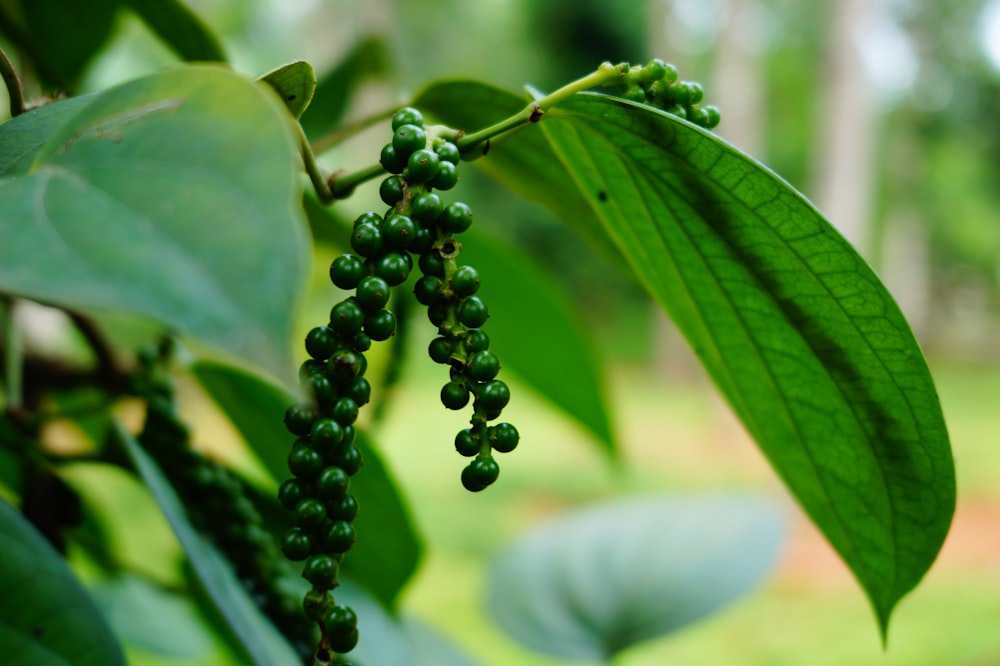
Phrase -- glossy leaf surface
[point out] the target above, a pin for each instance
(174, 197)
(792, 325)
(595, 582)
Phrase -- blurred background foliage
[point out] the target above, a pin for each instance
(883, 112)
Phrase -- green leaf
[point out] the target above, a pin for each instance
(180, 28)
(524, 162)
(255, 634)
(796, 330)
(175, 197)
(295, 84)
(597, 581)
(46, 617)
(63, 35)
(22, 137)
(561, 363)
(388, 548)
(368, 58)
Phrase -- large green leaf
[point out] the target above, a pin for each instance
(254, 633)
(796, 330)
(388, 548)
(180, 28)
(173, 196)
(46, 617)
(22, 137)
(559, 362)
(597, 581)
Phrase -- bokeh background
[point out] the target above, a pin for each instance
(883, 112)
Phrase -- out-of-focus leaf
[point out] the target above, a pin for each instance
(254, 633)
(46, 617)
(792, 325)
(22, 137)
(593, 583)
(368, 58)
(173, 196)
(180, 28)
(538, 335)
(295, 84)
(388, 548)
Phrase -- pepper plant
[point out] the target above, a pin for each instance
(189, 199)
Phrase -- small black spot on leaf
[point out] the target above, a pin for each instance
(602, 196)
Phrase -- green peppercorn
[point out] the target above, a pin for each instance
(712, 116)
(472, 312)
(345, 643)
(426, 207)
(299, 418)
(339, 621)
(339, 537)
(428, 290)
(289, 493)
(476, 340)
(493, 395)
(483, 366)
(332, 483)
(446, 176)
(407, 116)
(479, 474)
(457, 217)
(391, 190)
(367, 240)
(440, 350)
(347, 317)
(422, 166)
(372, 293)
(380, 325)
(503, 437)
(317, 604)
(296, 544)
(430, 263)
(350, 460)
(466, 443)
(454, 395)
(465, 281)
(394, 268)
(390, 160)
(320, 343)
(310, 514)
(407, 139)
(344, 411)
(346, 365)
(398, 232)
(346, 508)
(327, 434)
(346, 271)
(321, 570)
(448, 152)
(360, 391)
(319, 387)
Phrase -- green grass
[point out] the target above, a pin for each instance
(681, 438)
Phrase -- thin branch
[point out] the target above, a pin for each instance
(14, 89)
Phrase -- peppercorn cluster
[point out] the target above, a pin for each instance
(656, 84)
(218, 505)
(419, 163)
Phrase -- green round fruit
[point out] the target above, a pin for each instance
(390, 160)
(299, 418)
(347, 270)
(345, 643)
(457, 217)
(431, 263)
(326, 435)
(346, 365)
(408, 138)
(344, 411)
(380, 325)
(483, 366)
(423, 240)
(339, 537)
(448, 152)
(503, 437)
(407, 116)
(367, 240)
(320, 343)
(350, 459)
(493, 395)
(712, 116)
(398, 232)
(437, 314)
(440, 350)
(317, 604)
(428, 290)
(394, 268)
(454, 395)
(360, 391)
(332, 483)
(346, 318)
(422, 166)
(346, 508)
(304, 461)
(310, 514)
(290, 492)
(321, 571)
(465, 281)
(654, 70)
(372, 293)
(476, 341)
(296, 544)
(472, 312)
(391, 190)
(446, 176)
(319, 387)
(479, 474)
(426, 207)
(466, 443)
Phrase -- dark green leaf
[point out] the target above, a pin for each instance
(180, 28)
(388, 548)
(796, 330)
(175, 197)
(63, 36)
(46, 617)
(595, 582)
(22, 137)
(258, 638)
(368, 58)
(295, 84)
(553, 353)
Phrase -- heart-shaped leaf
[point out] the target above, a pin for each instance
(46, 617)
(796, 330)
(175, 197)
(254, 633)
(590, 584)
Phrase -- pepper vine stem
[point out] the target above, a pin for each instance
(341, 185)
(13, 350)
(14, 89)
